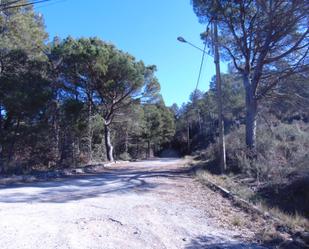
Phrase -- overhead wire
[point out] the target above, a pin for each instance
(199, 75)
(15, 4)
(201, 68)
(49, 4)
(202, 62)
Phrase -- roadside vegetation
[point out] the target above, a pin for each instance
(76, 101)
(73, 102)
(265, 106)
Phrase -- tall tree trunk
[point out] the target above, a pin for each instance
(188, 137)
(137, 150)
(222, 166)
(89, 132)
(251, 114)
(67, 147)
(199, 121)
(55, 135)
(148, 149)
(126, 141)
(11, 150)
(108, 144)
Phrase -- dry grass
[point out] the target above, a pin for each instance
(294, 222)
(269, 235)
(227, 182)
(237, 221)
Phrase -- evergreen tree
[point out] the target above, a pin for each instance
(264, 46)
(108, 78)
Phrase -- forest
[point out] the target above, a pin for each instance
(265, 92)
(75, 102)
(71, 101)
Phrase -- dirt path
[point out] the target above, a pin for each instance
(150, 204)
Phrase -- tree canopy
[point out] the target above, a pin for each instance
(62, 103)
(264, 46)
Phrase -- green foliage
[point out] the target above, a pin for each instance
(281, 150)
(57, 100)
(282, 137)
(153, 123)
(107, 79)
(24, 86)
(159, 125)
(168, 125)
(24, 81)
(264, 47)
(81, 98)
(200, 114)
(22, 28)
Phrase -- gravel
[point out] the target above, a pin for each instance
(148, 204)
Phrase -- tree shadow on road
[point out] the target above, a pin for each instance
(209, 242)
(115, 181)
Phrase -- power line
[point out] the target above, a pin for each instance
(200, 70)
(202, 60)
(15, 4)
(50, 4)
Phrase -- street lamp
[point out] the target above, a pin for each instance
(181, 39)
(219, 92)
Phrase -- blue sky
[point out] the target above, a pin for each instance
(147, 29)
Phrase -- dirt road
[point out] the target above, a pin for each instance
(150, 204)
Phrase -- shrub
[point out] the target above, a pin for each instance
(281, 149)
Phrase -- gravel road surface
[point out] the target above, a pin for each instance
(148, 204)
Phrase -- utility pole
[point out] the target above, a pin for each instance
(215, 42)
(222, 164)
